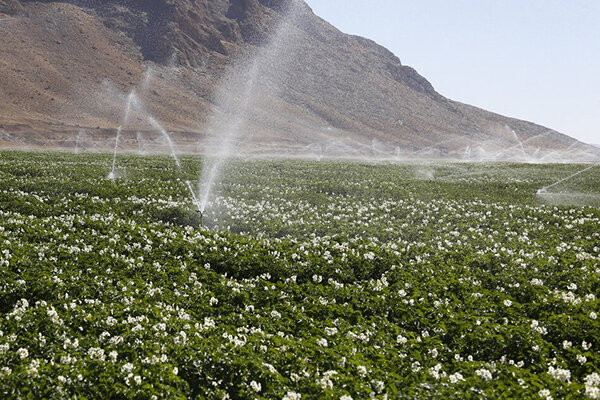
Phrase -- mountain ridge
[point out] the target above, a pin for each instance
(329, 82)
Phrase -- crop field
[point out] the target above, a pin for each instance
(311, 280)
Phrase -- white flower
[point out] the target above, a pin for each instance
(325, 383)
(591, 386)
(592, 392)
(566, 344)
(545, 394)
(113, 356)
(129, 367)
(23, 353)
(592, 379)
(507, 303)
(270, 367)
(590, 297)
(53, 315)
(213, 301)
(255, 386)
(593, 315)
(322, 342)
(535, 325)
(180, 338)
(330, 373)
(96, 353)
(175, 370)
(378, 386)
(346, 397)
(563, 375)
(581, 359)
(292, 396)
(32, 369)
(137, 379)
(362, 371)
(484, 374)
(416, 367)
(104, 335)
(401, 339)
(436, 371)
(331, 331)
(67, 359)
(456, 377)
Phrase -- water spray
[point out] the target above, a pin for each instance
(131, 98)
(167, 136)
(520, 143)
(544, 190)
(134, 102)
(196, 202)
(238, 93)
(138, 137)
(77, 141)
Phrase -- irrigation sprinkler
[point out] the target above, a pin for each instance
(545, 188)
(196, 202)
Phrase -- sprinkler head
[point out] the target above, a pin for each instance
(201, 214)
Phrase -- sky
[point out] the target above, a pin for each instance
(537, 60)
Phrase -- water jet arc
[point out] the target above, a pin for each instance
(130, 100)
(545, 188)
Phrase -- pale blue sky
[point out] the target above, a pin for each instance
(537, 60)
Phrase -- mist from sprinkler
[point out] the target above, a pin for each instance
(134, 102)
(544, 190)
(239, 92)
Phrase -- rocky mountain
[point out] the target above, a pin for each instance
(67, 66)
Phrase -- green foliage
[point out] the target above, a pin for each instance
(450, 281)
(179, 216)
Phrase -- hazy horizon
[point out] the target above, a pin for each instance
(535, 60)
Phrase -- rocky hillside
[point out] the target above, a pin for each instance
(66, 67)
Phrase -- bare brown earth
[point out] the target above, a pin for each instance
(66, 67)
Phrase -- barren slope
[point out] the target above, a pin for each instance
(67, 66)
